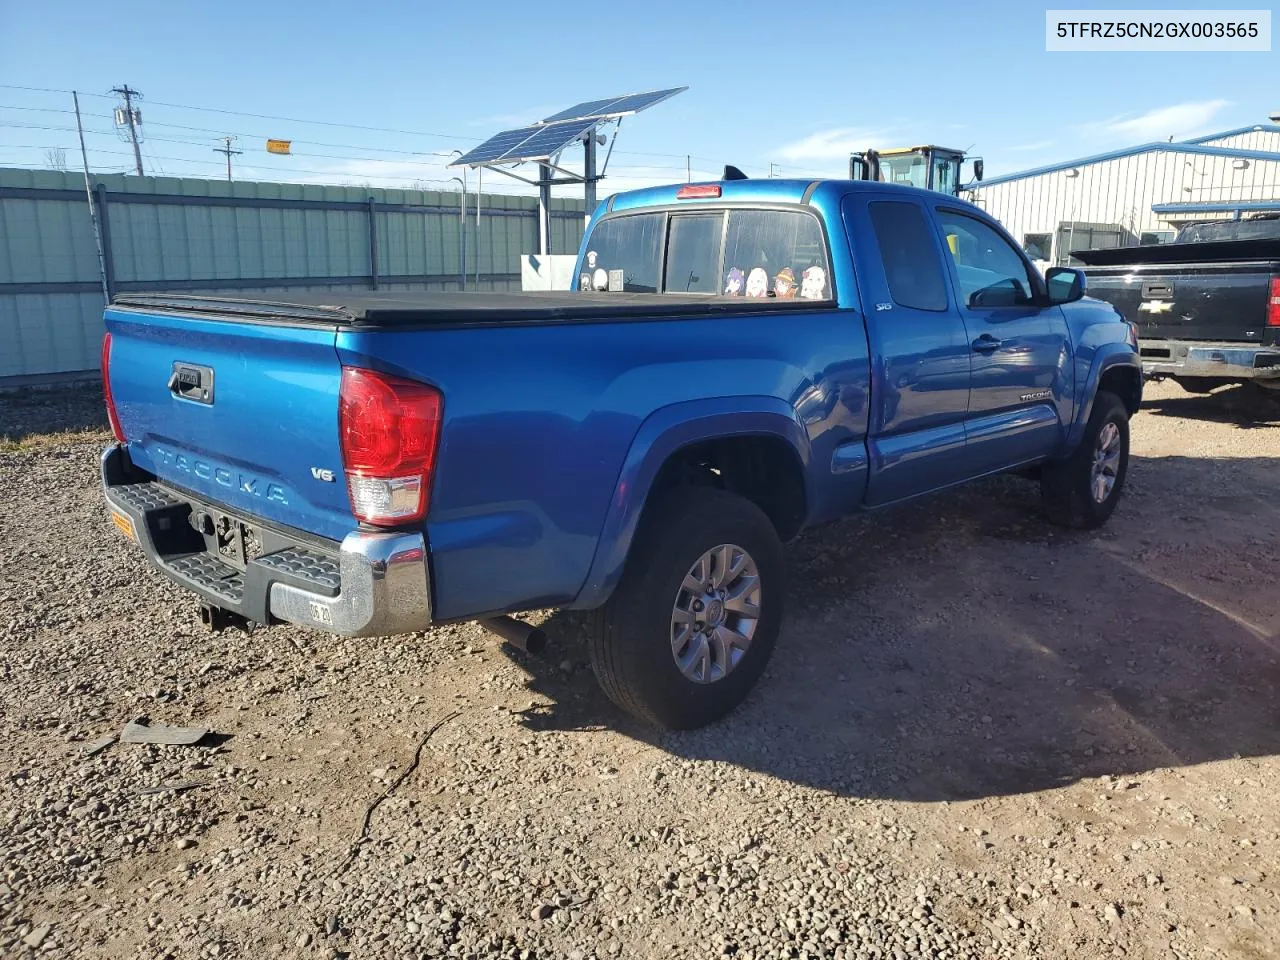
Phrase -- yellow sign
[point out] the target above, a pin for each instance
(279, 146)
(123, 524)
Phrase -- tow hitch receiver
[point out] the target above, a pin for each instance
(218, 619)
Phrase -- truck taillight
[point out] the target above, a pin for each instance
(389, 429)
(112, 417)
(1273, 303)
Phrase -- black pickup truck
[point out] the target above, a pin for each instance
(1207, 305)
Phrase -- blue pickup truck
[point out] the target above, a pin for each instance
(743, 360)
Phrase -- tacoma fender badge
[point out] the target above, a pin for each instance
(1037, 395)
(320, 473)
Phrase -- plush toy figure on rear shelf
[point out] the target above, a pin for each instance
(757, 282)
(734, 282)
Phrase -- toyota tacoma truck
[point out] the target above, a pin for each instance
(1207, 305)
(743, 360)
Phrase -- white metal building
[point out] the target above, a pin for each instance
(1138, 195)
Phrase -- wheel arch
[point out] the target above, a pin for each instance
(757, 443)
(1116, 369)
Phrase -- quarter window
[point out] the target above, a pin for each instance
(909, 255)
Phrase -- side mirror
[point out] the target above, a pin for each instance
(977, 169)
(1066, 284)
(858, 169)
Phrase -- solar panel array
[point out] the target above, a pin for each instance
(615, 106)
(537, 142)
(541, 141)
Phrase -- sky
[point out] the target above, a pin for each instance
(379, 93)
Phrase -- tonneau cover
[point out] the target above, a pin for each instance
(456, 308)
(1208, 251)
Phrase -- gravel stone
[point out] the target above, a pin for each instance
(981, 738)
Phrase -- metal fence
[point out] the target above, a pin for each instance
(162, 233)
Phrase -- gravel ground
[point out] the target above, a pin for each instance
(980, 737)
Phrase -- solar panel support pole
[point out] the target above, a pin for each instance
(544, 209)
(589, 171)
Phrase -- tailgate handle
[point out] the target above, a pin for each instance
(192, 382)
(1155, 290)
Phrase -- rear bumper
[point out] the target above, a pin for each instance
(370, 584)
(1194, 358)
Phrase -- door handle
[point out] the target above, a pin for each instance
(986, 344)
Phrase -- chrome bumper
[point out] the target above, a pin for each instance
(384, 589)
(1232, 361)
(369, 585)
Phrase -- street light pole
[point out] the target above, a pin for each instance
(462, 226)
(462, 231)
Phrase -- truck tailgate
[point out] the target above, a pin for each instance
(1217, 302)
(242, 413)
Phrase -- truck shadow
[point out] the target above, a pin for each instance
(964, 649)
(1244, 405)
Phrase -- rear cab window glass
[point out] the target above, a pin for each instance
(775, 253)
(624, 255)
(908, 252)
(729, 252)
(693, 253)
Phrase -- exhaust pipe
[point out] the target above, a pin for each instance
(517, 633)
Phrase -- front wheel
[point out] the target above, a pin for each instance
(693, 623)
(1082, 491)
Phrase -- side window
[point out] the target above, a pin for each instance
(693, 254)
(775, 253)
(623, 254)
(990, 272)
(909, 255)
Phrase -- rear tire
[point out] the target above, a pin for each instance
(1082, 491)
(648, 659)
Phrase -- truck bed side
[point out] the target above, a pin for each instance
(539, 420)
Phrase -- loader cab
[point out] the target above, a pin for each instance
(928, 167)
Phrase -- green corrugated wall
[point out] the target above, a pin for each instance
(50, 241)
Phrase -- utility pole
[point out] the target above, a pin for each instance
(688, 168)
(132, 118)
(226, 149)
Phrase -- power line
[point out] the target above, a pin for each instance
(325, 123)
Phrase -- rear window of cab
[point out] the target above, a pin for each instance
(728, 253)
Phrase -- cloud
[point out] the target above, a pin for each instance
(1179, 120)
(1033, 146)
(835, 144)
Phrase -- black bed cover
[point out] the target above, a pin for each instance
(1205, 251)
(456, 308)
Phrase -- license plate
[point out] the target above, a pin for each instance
(124, 525)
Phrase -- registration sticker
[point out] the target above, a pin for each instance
(321, 613)
(124, 525)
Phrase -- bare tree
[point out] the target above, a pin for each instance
(56, 158)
